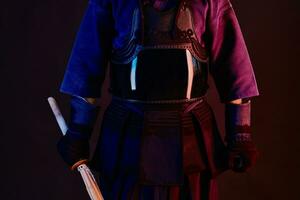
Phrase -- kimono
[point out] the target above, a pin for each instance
(159, 138)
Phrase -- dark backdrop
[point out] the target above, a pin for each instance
(35, 41)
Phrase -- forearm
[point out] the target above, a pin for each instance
(236, 101)
(239, 101)
(93, 101)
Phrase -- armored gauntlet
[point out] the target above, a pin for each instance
(242, 153)
(74, 146)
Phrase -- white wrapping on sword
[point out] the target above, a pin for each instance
(90, 182)
(59, 118)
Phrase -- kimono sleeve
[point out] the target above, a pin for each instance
(230, 65)
(89, 58)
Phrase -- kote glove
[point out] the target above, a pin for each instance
(242, 153)
(74, 146)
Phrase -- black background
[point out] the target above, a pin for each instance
(35, 41)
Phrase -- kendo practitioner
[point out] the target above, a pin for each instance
(159, 139)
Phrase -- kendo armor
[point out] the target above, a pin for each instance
(162, 61)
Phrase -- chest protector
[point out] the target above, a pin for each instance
(171, 64)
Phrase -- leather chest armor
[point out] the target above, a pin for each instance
(170, 64)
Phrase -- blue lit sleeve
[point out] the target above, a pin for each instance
(90, 55)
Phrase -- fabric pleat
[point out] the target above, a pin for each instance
(118, 156)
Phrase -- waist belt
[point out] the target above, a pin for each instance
(171, 101)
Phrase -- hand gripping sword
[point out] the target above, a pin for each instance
(86, 174)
